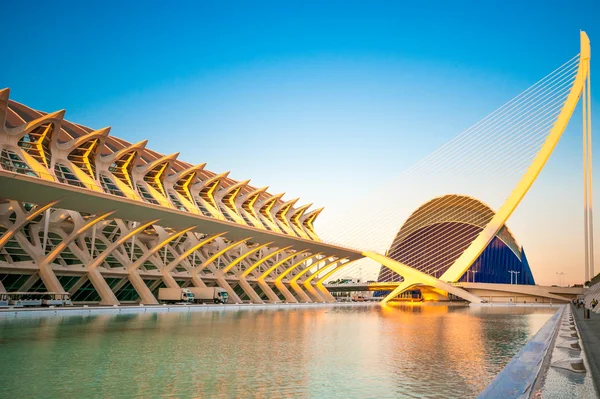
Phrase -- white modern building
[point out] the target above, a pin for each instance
(111, 222)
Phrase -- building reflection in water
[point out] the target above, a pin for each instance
(385, 352)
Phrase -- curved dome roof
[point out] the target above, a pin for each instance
(440, 230)
(454, 208)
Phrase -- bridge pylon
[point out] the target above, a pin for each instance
(580, 88)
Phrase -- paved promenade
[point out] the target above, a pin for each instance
(590, 336)
(517, 379)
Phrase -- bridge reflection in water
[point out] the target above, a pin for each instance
(489, 292)
(395, 351)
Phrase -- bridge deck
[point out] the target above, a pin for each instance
(509, 288)
(361, 287)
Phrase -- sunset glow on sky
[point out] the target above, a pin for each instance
(328, 103)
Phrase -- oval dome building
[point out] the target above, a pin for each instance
(439, 231)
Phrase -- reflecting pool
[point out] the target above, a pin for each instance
(328, 352)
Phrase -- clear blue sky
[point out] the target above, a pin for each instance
(316, 98)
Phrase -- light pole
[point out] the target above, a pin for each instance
(474, 271)
(511, 275)
(517, 277)
(560, 278)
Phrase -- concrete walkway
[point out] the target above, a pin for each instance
(517, 379)
(589, 330)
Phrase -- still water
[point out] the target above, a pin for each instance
(336, 352)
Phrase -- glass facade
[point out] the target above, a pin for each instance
(66, 176)
(495, 264)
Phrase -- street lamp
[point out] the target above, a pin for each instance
(474, 271)
(560, 278)
(516, 277)
(511, 275)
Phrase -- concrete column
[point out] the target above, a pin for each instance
(45, 261)
(46, 223)
(254, 297)
(326, 294)
(225, 285)
(107, 296)
(49, 278)
(286, 293)
(273, 298)
(300, 293)
(142, 289)
(169, 281)
(311, 290)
